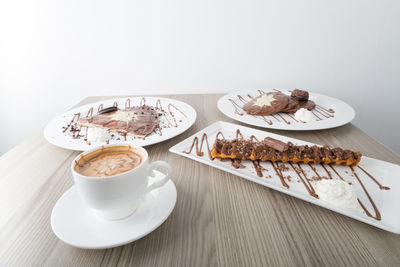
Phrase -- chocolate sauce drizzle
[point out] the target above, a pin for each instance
(169, 116)
(307, 185)
(199, 148)
(377, 213)
(299, 170)
(319, 112)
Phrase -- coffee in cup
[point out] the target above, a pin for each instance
(112, 179)
(109, 161)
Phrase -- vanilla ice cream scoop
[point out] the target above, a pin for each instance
(304, 115)
(98, 135)
(338, 193)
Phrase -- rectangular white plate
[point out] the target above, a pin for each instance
(387, 174)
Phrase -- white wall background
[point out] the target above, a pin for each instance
(54, 53)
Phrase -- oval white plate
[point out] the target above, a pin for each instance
(343, 112)
(75, 224)
(55, 135)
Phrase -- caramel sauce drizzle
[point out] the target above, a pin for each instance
(99, 108)
(301, 173)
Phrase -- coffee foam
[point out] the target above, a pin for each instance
(109, 161)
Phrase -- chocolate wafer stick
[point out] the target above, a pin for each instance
(271, 149)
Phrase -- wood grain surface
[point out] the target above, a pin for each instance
(219, 219)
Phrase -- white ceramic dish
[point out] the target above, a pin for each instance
(55, 135)
(343, 113)
(76, 224)
(386, 173)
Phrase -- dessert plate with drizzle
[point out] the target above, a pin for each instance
(368, 192)
(141, 121)
(328, 112)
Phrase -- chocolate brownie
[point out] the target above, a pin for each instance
(310, 105)
(300, 95)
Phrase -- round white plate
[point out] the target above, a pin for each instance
(55, 135)
(75, 224)
(343, 113)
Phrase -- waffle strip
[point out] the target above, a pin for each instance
(274, 150)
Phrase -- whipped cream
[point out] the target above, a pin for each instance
(98, 135)
(265, 100)
(304, 115)
(338, 193)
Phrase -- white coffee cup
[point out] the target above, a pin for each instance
(118, 196)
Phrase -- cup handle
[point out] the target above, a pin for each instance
(162, 181)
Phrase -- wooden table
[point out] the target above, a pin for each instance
(219, 219)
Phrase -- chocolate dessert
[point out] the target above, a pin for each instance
(310, 105)
(286, 156)
(273, 150)
(275, 102)
(292, 106)
(267, 104)
(135, 121)
(300, 95)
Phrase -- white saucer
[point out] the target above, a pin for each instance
(75, 224)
